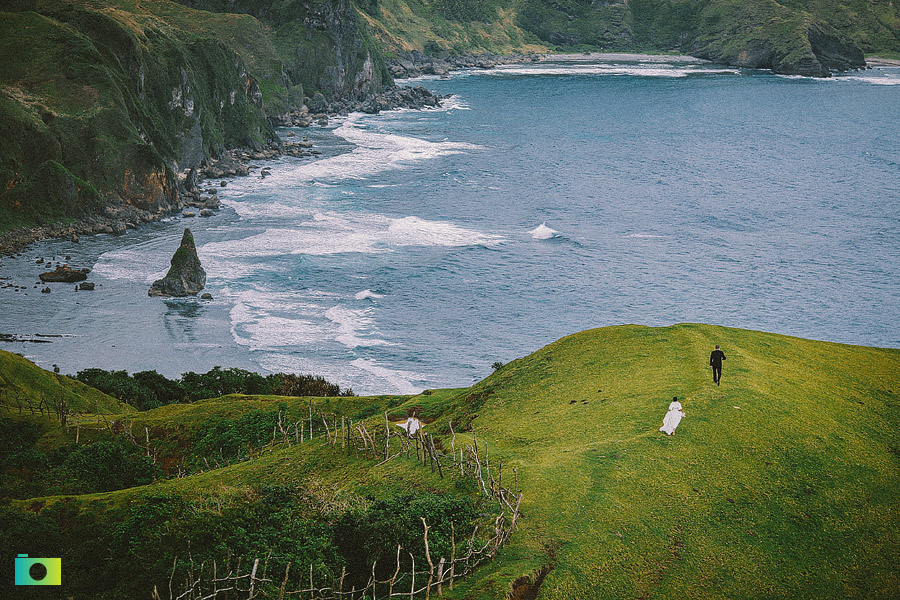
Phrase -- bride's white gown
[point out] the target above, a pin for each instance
(672, 418)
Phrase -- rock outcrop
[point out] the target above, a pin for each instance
(185, 277)
(64, 274)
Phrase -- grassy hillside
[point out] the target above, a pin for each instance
(802, 36)
(456, 27)
(22, 381)
(782, 482)
(102, 103)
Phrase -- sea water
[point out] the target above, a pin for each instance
(540, 200)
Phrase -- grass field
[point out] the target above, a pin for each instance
(784, 482)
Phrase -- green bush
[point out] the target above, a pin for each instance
(109, 465)
(232, 440)
(372, 534)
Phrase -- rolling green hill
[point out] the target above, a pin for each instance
(783, 482)
(24, 384)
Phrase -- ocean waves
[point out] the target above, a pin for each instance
(611, 69)
(341, 233)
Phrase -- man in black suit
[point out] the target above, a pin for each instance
(715, 361)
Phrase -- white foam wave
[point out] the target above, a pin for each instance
(542, 232)
(874, 79)
(264, 320)
(401, 380)
(643, 236)
(334, 233)
(454, 103)
(278, 210)
(368, 294)
(131, 264)
(637, 70)
(352, 324)
(375, 152)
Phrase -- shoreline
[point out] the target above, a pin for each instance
(624, 57)
(877, 61)
(194, 183)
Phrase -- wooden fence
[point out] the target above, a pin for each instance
(381, 444)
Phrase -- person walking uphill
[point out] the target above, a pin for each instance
(715, 361)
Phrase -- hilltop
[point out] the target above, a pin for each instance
(783, 482)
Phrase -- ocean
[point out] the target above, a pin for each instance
(540, 200)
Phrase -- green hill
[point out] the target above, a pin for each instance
(24, 384)
(782, 482)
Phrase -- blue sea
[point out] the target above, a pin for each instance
(539, 201)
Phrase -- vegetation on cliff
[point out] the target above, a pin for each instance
(808, 38)
(105, 104)
(782, 482)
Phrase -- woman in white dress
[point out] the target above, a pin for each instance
(673, 417)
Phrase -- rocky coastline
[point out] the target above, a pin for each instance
(406, 65)
(197, 186)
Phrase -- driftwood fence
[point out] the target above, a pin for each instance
(381, 443)
(14, 400)
(378, 443)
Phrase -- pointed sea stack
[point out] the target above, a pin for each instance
(185, 277)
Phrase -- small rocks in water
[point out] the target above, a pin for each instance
(64, 274)
(206, 296)
(74, 238)
(188, 214)
(212, 190)
(206, 213)
(87, 285)
(68, 257)
(223, 183)
(45, 290)
(185, 277)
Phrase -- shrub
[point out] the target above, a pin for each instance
(110, 465)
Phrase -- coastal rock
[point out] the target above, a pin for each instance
(206, 296)
(185, 277)
(86, 285)
(206, 213)
(63, 274)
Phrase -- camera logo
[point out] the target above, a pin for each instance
(38, 571)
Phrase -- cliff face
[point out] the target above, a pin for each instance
(101, 108)
(324, 47)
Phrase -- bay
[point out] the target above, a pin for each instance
(541, 200)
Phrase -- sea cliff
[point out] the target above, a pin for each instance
(109, 108)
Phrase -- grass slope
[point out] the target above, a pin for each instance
(783, 482)
(21, 378)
